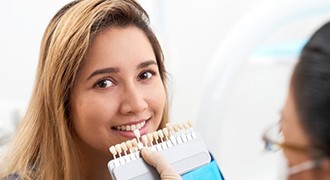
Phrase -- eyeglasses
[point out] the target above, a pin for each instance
(274, 140)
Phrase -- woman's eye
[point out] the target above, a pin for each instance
(146, 75)
(104, 83)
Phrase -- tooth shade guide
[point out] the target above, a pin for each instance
(113, 151)
(150, 138)
(184, 137)
(136, 148)
(165, 131)
(186, 125)
(162, 139)
(134, 143)
(124, 147)
(145, 140)
(192, 132)
(166, 134)
(118, 149)
(171, 136)
(182, 132)
(177, 134)
(129, 144)
(137, 133)
(155, 135)
(132, 150)
(169, 127)
(176, 128)
(181, 126)
(160, 134)
(185, 157)
(187, 129)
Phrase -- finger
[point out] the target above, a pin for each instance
(155, 159)
(161, 164)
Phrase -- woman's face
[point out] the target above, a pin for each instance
(293, 132)
(118, 88)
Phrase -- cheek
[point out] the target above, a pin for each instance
(157, 100)
(80, 119)
(92, 114)
(92, 124)
(93, 110)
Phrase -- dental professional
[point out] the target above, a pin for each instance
(100, 75)
(304, 129)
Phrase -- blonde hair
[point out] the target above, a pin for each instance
(43, 147)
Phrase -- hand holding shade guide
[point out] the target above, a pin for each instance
(180, 144)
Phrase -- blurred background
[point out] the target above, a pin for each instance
(229, 64)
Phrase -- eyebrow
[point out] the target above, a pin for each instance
(116, 70)
(146, 63)
(104, 71)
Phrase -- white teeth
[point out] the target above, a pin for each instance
(142, 123)
(128, 127)
(131, 127)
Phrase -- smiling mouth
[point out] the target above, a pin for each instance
(130, 127)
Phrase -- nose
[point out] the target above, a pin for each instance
(133, 101)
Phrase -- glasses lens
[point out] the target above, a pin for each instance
(273, 138)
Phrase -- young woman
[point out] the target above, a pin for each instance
(304, 129)
(100, 75)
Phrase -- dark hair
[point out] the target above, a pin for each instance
(311, 87)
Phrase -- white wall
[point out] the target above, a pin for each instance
(22, 27)
(191, 33)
